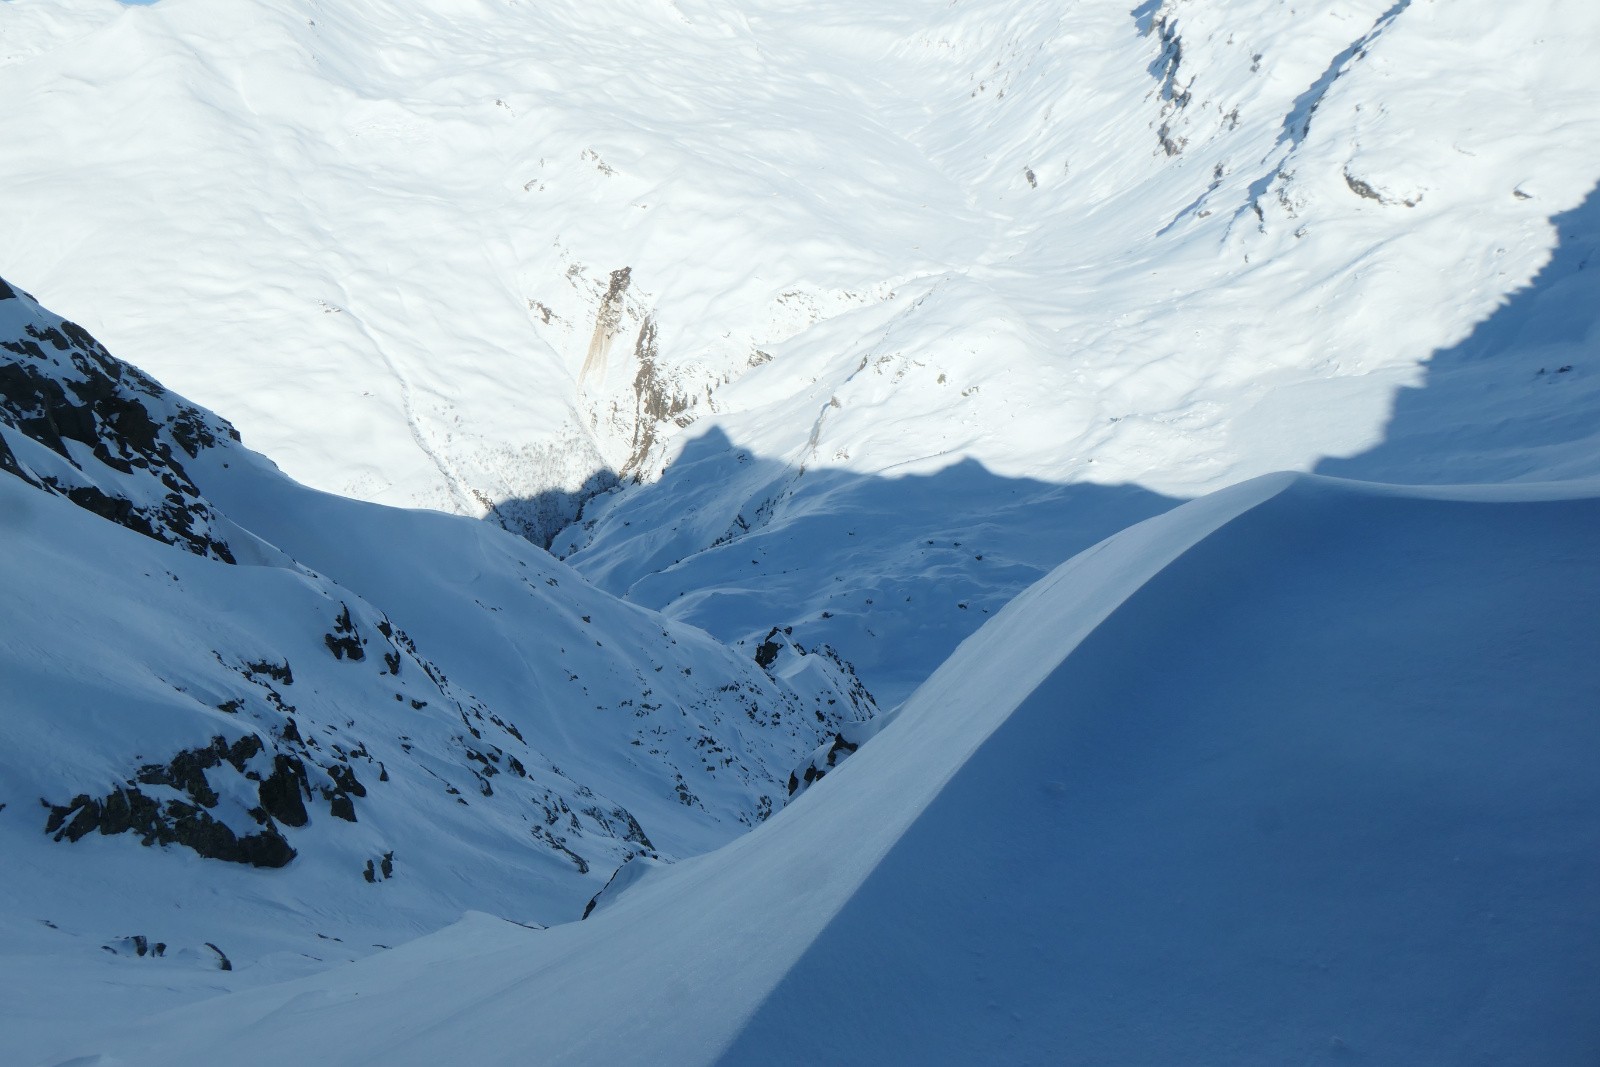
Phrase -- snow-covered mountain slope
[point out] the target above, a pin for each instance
(1300, 772)
(494, 257)
(793, 328)
(334, 725)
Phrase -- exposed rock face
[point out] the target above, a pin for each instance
(607, 326)
(346, 640)
(779, 654)
(276, 772)
(114, 436)
(658, 399)
(283, 792)
(1168, 70)
(127, 810)
(630, 403)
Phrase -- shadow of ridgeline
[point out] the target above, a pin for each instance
(1519, 398)
(893, 572)
(541, 517)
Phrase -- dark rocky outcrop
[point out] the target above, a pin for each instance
(188, 822)
(283, 793)
(118, 433)
(174, 822)
(382, 871)
(137, 945)
(834, 752)
(767, 651)
(346, 641)
(223, 962)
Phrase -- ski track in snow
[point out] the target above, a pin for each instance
(408, 408)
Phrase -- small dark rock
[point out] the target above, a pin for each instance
(283, 792)
(342, 807)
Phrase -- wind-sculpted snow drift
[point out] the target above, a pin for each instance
(335, 724)
(1299, 772)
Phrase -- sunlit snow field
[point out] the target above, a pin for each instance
(1181, 416)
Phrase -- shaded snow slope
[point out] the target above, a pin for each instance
(332, 725)
(1517, 398)
(1298, 772)
(793, 329)
(492, 258)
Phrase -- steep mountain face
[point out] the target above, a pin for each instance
(335, 725)
(946, 267)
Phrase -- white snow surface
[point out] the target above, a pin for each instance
(1300, 772)
(1137, 251)
(469, 724)
(1185, 412)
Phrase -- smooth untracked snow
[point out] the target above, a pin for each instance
(1297, 773)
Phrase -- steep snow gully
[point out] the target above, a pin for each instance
(999, 531)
